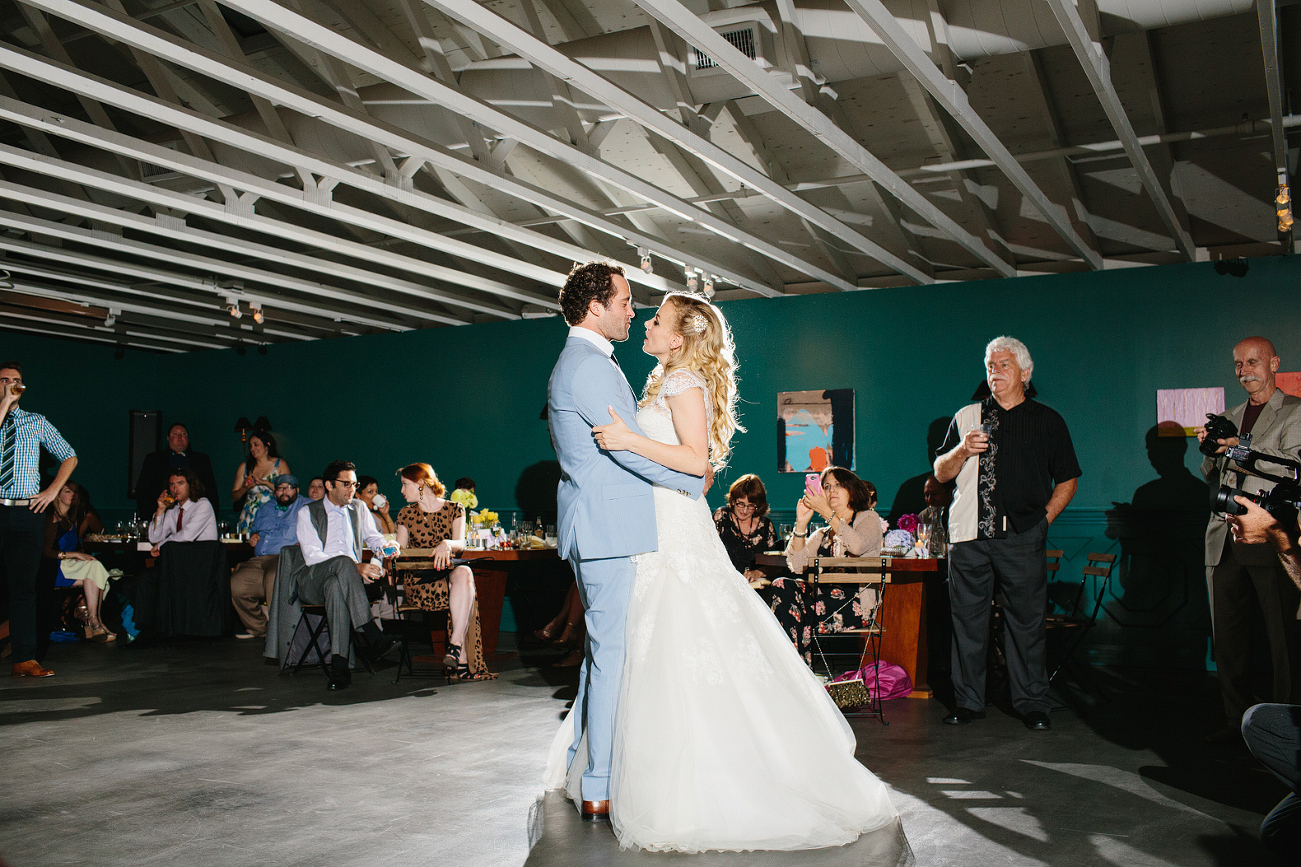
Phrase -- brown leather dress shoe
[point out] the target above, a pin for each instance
(31, 668)
(596, 811)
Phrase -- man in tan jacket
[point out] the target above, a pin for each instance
(1244, 578)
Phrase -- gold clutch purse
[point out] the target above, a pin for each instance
(849, 693)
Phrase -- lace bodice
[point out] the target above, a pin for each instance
(656, 420)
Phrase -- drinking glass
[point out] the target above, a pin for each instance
(785, 532)
(552, 539)
(923, 540)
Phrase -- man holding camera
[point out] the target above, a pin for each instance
(1273, 731)
(1242, 576)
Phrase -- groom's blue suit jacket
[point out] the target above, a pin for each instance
(605, 501)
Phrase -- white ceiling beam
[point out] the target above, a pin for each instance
(954, 100)
(247, 219)
(282, 152)
(248, 78)
(417, 82)
(26, 298)
(225, 267)
(559, 65)
(1267, 16)
(1098, 70)
(687, 25)
(88, 134)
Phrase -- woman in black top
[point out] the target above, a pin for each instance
(744, 527)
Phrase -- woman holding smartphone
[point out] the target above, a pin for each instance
(853, 529)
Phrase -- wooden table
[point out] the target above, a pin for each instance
(903, 618)
(490, 583)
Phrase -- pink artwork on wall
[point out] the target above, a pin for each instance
(1186, 408)
(1289, 383)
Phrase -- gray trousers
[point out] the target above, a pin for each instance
(1273, 734)
(1017, 564)
(337, 584)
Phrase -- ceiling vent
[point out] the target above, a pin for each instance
(746, 38)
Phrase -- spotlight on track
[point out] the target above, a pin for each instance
(693, 278)
(709, 286)
(258, 316)
(645, 260)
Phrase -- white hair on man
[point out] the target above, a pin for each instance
(1018, 350)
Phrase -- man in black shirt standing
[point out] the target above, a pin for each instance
(158, 466)
(1023, 475)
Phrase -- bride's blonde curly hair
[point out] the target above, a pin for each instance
(707, 349)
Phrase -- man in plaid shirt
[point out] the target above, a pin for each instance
(22, 527)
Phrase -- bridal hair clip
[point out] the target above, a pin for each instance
(698, 323)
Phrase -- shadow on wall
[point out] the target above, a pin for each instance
(1161, 573)
(910, 499)
(535, 492)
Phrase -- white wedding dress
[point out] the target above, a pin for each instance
(724, 739)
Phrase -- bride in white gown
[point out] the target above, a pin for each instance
(724, 739)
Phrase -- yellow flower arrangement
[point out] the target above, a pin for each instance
(485, 518)
(467, 499)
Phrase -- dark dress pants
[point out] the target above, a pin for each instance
(1273, 734)
(337, 584)
(1017, 564)
(22, 534)
(1248, 579)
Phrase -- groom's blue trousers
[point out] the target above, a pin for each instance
(605, 587)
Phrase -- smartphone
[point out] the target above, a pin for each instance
(813, 483)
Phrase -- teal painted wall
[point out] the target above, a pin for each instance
(468, 399)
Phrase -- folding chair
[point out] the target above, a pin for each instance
(862, 572)
(316, 626)
(410, 563)
(1075, 624)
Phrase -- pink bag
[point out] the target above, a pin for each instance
(893, 681)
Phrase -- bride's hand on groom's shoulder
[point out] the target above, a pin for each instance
(615, 436)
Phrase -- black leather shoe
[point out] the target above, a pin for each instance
(963, 715)
(1037, 721)
(340, 678)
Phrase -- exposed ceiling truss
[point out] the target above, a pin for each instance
(201, 174)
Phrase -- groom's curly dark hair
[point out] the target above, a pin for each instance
(587, 283)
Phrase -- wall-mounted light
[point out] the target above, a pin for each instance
(261, 349)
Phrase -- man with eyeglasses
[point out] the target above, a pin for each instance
(331, 534)
(22, 527)
(275, 526)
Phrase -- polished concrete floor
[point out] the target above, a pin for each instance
(198, 754)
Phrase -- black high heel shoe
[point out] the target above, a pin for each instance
(452, 662)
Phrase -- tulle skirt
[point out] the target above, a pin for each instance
(724, 739)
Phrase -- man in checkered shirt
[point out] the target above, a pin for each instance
(22, 527)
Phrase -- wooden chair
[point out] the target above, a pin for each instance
(1075, 624)
(859, 572)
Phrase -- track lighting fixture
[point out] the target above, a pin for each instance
(645, 259)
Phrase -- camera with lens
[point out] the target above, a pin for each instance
(1217, 428)
(1282, 501)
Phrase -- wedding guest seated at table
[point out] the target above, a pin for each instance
(744, 528)
(182, 513)
(430, 521)
(368, 493)
(255, 477)
(331, 535)
(66, 525)
(274, 526)
(316, 489)
(853, 529)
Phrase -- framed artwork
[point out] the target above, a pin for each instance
(815, 429)
(1186, 408)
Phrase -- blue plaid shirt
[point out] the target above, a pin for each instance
(31, 431)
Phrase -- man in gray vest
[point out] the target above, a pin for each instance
(331, 534)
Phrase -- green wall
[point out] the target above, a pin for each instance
(468, 399)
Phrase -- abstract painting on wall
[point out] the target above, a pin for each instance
(815, 429)
(1186, 408)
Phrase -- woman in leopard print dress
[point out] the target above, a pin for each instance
(429, 521)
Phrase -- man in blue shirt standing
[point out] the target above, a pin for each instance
(274, 526)
(22, 527)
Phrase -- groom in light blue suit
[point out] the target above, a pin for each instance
(607, 512)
